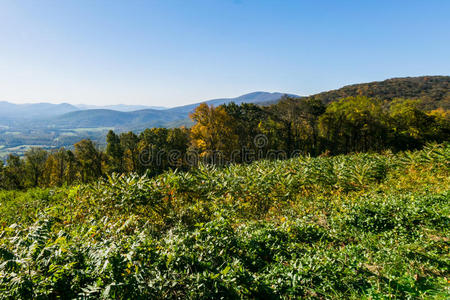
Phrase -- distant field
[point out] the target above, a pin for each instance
(20, 150)
(92, 129)
(19, 140)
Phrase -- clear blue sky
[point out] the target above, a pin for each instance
(176, 52)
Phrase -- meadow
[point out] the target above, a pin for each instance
(359, 226)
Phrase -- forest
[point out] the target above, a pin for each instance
(242, 133)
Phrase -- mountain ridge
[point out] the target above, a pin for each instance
(144, 118)
(43, 113)
(434, 91)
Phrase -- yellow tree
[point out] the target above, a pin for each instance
(56, 167)
(213, 134)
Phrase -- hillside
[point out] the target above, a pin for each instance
(434, 91)
(146, 118)
(361, 226)
(50, 125)
(119, 107)
(10, 112)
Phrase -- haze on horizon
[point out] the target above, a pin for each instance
(169, 53)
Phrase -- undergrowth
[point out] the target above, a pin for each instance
(355, 226)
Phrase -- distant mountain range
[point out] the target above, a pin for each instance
(26, 112)
(61, 125)
(119, 107)
(432, 90)
(129, 117)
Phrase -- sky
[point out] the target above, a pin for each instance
(169, 52)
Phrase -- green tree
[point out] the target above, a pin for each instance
(89, 160)
(129, 143)
(162, 148)
(411, 127)
(246, 120)
(299, 117)
(34, 165)
(287, 112)
(354, 124)
(114, 152)
(13, 173)
(70, 173)
(2, 175)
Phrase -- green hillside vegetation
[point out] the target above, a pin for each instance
(298, 199)
(238, 134)
(45, 124)
(62, 125)
(349, 226)
(434, 91)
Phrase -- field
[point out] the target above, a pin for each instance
(351, 226)
(18, 142)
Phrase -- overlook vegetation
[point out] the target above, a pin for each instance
(434, 91)
(242, 133)
(349, 226)
(304, 198)
(53, 126)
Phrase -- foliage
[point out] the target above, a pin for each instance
(350, 226)
(239, 134)
(432, 90)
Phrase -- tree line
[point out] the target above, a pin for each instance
(238, 134)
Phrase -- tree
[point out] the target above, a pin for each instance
(299, 117)
(354, 124)
(213, 134)
(411, 126)
(310, 109)
(129, 143)
(13, 173)
(287, 113)
(246, 120)
(441, 129)
(177, 145)
(162, 148)
(2, 175)
(34, 164)
(56, 168)
(89, 160)
(70, 173)
(114, 152)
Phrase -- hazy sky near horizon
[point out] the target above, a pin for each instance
(174, 52)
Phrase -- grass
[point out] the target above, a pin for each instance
(356, 226)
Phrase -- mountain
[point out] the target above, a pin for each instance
(117, 119)
(140, 119)
(10, 112)
(119, 107)
(255, 97)
(57, 125)
(434, 91)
